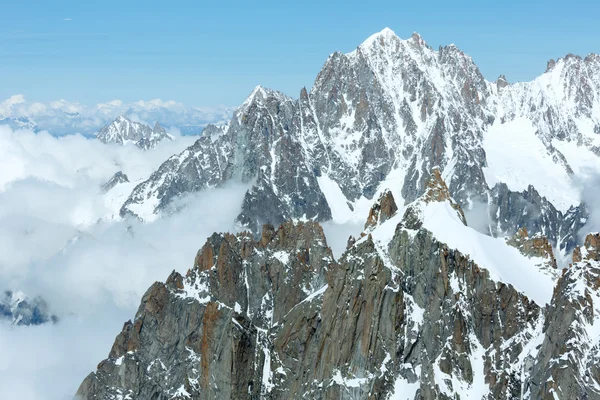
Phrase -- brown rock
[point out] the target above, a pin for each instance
(590, 249)
(268, 234)
(383, 209)
(437, 190)
(536, 246)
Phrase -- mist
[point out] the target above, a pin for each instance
(589, 182)
(59, 240)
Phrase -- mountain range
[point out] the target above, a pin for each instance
(420, 305)
(124, 131)
(382, 117)
(63, 117)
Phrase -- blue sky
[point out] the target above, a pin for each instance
(207, 53)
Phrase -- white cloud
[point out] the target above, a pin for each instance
(7, 106)
(92, 274)
(62, 117)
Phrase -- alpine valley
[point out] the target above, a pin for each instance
(474, 277)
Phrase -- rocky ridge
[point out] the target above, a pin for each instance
(399, 314)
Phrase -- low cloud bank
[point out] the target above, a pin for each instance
(92, 271)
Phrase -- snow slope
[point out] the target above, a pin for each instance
(504, 263)
(517, 157)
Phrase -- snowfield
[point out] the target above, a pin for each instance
(516, 156)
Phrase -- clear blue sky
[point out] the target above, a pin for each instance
(214, 52)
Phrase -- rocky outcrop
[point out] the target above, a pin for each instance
(508, 211)
(118, 178)
(436, 191)
(536, 246)
(382, 210)
(501, 82)
(567, 363)
(217, 323)
(590, 249)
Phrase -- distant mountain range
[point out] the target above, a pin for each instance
(124, 131)
(18, 309)
(63, 117)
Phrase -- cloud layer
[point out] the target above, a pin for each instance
(57, 240)
(62, 117)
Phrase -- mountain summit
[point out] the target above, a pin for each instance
(125, 131)
(397, 108)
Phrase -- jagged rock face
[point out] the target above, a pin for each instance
(389, 105)
(407, 103)
(536, 246)
(185, 173)
(382, 210)
(436, 191)
(590, 249)
(567, 363)
(217, 323)
(501, 82)
(123, 130)
(511, 210)
(117, 178)
(17, 309)
(558, 99)
(157, 134)
(277, 317)
(259, 145)
(213, 131)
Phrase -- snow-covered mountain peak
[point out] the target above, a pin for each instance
(398, 108)
(382, 38)
(158, 128)
(124, 131)
(261, 96)
(418, 39)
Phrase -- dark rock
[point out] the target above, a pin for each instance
(117, 178)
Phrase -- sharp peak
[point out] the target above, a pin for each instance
(384, 36)
(263, 89)
(387, 32)
(381, 35)
(260, 92)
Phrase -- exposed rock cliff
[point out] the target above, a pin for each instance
(399, 315)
